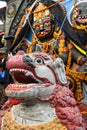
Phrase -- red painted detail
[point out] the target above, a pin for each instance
(15, 101)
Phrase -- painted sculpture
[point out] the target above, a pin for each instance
(78, 20)
(53, 34)
(40, 95)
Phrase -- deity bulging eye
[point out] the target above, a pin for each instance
(47, 12)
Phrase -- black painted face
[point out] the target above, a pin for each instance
(42, 21)
(43, 27)
(80, 16)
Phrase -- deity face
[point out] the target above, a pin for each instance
(43, 23)
(79, 13)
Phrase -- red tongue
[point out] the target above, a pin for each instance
(15, 101)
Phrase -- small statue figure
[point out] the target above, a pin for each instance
(78, 20)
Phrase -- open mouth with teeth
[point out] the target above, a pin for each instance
(23, 79)
(30, 75)
(81, 14)
(21, 83)
(24, 83)
(81, 20)
(22, 76)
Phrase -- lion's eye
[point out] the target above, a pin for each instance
(39, 60)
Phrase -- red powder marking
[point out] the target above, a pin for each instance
(15, 101)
